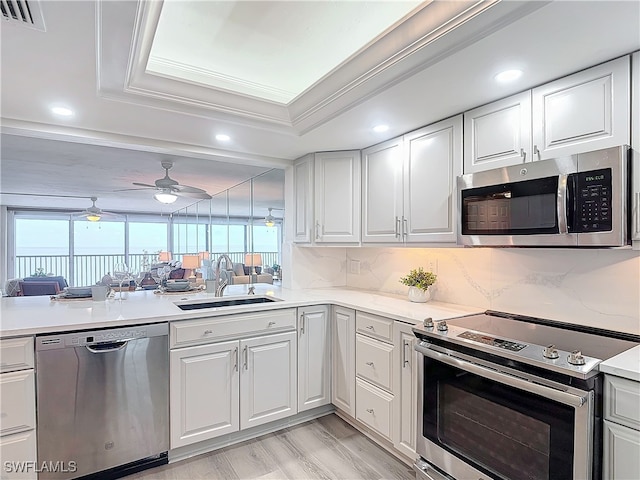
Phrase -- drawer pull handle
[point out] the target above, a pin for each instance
(236, 355)
(208, 332)
(302, 322)
(369, 363)
(246, 358)
(370, 410)
(370, 327)
(270, 324)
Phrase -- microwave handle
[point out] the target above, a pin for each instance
(561, 203)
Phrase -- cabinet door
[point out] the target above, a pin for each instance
(268, 381)
(343, 394)
(303, 199)
(17, 402)
(405, 389)
(382, 192)
(19, 456)
(337, 197)
(433, 161)
(635, 145)
(585, 111)
(204, 392)
(621, 447)
(314, 357)
(498, 134)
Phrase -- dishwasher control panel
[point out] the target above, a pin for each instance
(100, 337)
(106, 336)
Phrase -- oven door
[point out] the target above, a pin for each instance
(480, 420)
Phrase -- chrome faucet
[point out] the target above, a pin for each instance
(218, 285)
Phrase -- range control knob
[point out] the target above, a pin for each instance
(428, 322)
(575, 358)
(550, 352)
(442, 326)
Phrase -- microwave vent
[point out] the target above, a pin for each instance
(25, 13)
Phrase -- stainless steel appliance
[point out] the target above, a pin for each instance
(511, 397)
(103, 401)
(580, 200)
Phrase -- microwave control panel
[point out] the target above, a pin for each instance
(592, 201)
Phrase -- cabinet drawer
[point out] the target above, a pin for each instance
(16, 354)
(210, 329)
(374, 361)
(374, 326)
(19, 450)
(17, 402)
(374, 407)
(621, 400)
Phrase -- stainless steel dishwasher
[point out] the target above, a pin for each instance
(103, 401)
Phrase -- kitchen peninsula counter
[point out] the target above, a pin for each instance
(20, 316)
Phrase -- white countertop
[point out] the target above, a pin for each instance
(626, 365)
(21, 316)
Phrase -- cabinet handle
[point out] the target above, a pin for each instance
(523, 154)
(235, 367)
(637, 212)
(246, 358)
(370, 410)
(405, 228)
(208, 332)
(317, 230)
(370, 327)
(537, 152)
(302, 323)
(270, 324)
(369, 363)
(404, 354)
(397, 229)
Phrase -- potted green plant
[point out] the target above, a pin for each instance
(419, 282)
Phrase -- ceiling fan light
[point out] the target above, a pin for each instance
(164, 197)
(269, 220)
(93, 217)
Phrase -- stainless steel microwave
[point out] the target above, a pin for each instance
(574, 201)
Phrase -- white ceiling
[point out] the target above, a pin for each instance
(93, 57)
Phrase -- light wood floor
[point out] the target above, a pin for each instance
(326, 448)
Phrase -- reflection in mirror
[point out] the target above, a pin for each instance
(232, 222)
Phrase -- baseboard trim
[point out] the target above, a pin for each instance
(206, 446)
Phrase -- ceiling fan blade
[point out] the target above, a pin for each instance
(132, 189)
(200, 194)
(187, 188)
(144, 185)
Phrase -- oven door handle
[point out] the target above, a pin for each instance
(547, 392)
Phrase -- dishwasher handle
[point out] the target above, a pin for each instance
(107, 347)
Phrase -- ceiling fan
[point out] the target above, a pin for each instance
(169, 189)
(93, 213)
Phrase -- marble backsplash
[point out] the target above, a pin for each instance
(599, 288)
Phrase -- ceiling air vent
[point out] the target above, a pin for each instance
(22, 12)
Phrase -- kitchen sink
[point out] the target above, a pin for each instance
(227, 302)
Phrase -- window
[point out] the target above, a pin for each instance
(40, 252)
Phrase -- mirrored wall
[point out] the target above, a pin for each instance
(244, 222)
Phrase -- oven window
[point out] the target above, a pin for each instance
(506, 432)
(518, 208)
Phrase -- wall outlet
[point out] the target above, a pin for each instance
(354, 267)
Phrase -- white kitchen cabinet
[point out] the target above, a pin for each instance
(343, 359)
(314, 357)
(409, 185)
(635, 145)
(327, 198)
(337, 197)
(205, 392)
(303, 199)
(18, 444)
(586, 111)
(405, 388)
(268, 382)
(498, 134)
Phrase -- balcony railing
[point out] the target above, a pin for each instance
(89, 269)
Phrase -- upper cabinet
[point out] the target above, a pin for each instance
(327, 198)
(635, 145)
(409, 185)
(586, 111)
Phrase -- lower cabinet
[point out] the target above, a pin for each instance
(18, 456)
(314, 357)
(405, 388)
(343, 342)
(224, 387)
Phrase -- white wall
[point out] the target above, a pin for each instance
(598, 288)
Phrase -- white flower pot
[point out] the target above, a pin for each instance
(418, 295)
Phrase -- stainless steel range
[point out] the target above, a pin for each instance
(509, 397)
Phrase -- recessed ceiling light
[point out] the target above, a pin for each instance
(508, 75)
(380, 128)
(62, 111)
(222, 137)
